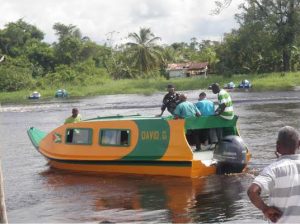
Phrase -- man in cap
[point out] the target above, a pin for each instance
(170, 100)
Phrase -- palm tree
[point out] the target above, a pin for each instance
(144, 53)
(63, 31)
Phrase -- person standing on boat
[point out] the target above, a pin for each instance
(170, 100)
(225, 108)
(281, 181)
(206, 108)
(187, 109)
(76, 117)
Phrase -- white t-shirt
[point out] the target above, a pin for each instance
(281, 180)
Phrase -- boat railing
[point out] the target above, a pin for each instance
(209, 122)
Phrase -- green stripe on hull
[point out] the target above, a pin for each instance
(126, 162)
(153, 140)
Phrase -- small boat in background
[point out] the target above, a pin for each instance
(142, 145)
(34, 96)
(61, 93)
(245, 84)
(229, 85)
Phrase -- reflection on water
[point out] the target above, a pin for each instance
(37, 193)
(133, 198)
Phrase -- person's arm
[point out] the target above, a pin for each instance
(220, 109)
(163, 106)
(198, 114)
(270, 212)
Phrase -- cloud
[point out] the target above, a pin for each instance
(172, 20)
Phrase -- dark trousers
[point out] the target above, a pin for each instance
(196, 138)
(219, 134)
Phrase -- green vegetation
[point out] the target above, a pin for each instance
(265, 49)
(261, 82)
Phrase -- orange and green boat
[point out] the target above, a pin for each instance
(141, 145)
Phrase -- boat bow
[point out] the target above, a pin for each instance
(36, 136)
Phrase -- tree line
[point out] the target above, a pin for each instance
(267, 40)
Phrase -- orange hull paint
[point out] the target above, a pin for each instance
(197, 169)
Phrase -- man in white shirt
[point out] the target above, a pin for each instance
(281, 180)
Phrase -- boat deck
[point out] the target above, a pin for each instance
(206, 157)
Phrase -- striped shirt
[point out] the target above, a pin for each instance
(225, 98)
(282, 181)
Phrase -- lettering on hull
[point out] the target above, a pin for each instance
(154, 135)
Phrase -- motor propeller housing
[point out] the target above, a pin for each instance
(230, 155)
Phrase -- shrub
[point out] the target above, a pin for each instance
(13, 78)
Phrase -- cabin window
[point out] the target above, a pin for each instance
(80, 136)
(114, 137)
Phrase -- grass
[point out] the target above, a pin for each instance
(261, 82)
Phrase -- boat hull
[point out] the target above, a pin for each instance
(184, 169)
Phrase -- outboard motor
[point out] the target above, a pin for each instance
(230, 155)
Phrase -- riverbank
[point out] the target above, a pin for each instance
(261, 82)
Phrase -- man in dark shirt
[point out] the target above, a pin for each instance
(170, 100)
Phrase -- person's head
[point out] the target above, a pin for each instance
(171, 88)
(182, 97)
(215, 88)
(287, 141)
(202, 96)
(75, 112)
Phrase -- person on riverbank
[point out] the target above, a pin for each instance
(76, 117)
(170, 100)
(187, 109)
(281, 180)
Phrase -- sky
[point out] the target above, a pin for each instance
(112, 20)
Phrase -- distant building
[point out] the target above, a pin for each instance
(189, 69)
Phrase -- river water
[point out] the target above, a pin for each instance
(37, 193)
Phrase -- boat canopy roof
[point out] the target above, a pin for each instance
(128, 117)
